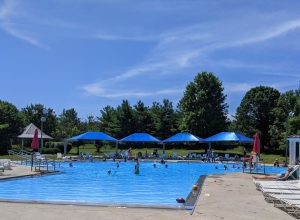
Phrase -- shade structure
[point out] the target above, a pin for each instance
(256, 144)
(35, 140)
(184, 137)
(140, 137)
(92, 136)
(229, 136)
(29, 132)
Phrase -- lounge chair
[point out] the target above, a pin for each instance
(59, 156)
(162, 156)
(39, 156)
(294, 174)
(6, 164)
(227, 157)
(277, 184)
(291, 206)
(174, 156)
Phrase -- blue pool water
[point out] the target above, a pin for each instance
(89, 183)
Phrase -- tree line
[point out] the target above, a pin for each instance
(202, 111)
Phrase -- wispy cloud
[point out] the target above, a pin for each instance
(190, 46)
(237, 87)
(111, 37)
(8, 12)
(97, 89)
(272, 32)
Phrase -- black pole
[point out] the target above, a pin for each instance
(32, 160)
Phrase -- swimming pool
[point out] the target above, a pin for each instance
(88, 182)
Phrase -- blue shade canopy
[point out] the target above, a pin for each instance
(229, 136)
(140, 137)
(184, 137)
(93, 136)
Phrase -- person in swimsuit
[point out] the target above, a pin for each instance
(281, 176)
(137, 166)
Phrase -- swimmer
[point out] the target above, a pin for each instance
(109, 172)
(137, 167)
(225, 167)
(233, 166)
(70, 164)
(162, 161)
(118, 165)
(154, 165)
(166, 165)
(216, 168)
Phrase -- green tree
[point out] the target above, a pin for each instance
(294, 120)
(34, 113)
(255, 112)
(109, 122)
(203, 109)
(143, 118)
(125, 119)
(91, 124)
(11, 124)
(164, 117)
(285, 107)
(68, 124)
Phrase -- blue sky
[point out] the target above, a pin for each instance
(88, 54)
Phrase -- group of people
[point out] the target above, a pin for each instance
(276, 163)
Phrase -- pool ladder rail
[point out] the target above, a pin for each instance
(37, 161)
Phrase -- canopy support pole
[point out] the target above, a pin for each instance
(164, 148)
(65, 148)
(209, 146)
(117, 147)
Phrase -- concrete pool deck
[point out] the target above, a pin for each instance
(230, 196)
(21, 171)
(17, 171)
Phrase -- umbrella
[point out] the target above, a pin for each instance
(256, 145)
(35, 140)
(184, 137)
(140, 137)
(229, 136)
(92, 135)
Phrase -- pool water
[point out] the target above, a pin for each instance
(89, 182)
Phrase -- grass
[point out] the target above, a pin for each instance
(267, 158)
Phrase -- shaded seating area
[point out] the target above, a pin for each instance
(142, 137)
(28, 134)
(226, 137)
(183, 137)
(88, 136)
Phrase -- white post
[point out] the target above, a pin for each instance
(292, 152)
(298, 149)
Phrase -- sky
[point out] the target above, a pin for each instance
(87, 54)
